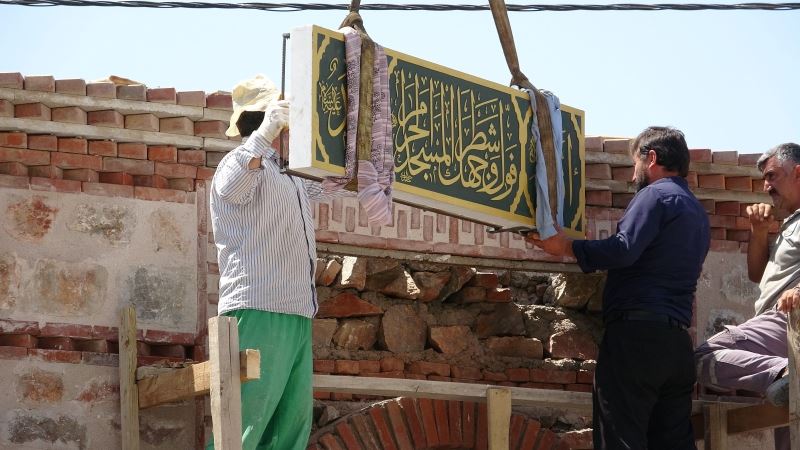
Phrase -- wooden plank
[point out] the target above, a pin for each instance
(174, 385)
(129, 403)
(793, 335)
(716, 427)
(226, 407)
(578, 401)
(462, 144)
(499, 417)
(757, 417)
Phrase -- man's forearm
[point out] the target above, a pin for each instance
(757, 255)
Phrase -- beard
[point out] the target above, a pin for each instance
(640, 180)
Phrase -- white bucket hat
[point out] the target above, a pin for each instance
(251, 95)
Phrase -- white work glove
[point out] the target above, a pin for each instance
(276, 118)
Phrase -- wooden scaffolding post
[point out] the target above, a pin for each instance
(716, 427)
(499, 411)
(226, 399)
(793, 335)
(128, 395)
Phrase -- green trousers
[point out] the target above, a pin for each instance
(277, 409)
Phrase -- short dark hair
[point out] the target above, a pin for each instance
(669, 145)
(784, 152)
(249, 121)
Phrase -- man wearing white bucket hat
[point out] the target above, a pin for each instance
(265, 239)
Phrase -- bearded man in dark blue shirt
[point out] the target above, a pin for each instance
(645, 371)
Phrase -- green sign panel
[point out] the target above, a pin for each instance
(462, 145)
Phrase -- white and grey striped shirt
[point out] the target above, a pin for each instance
(264, 233)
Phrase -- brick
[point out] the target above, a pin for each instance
(722, 221)
(709, 206)
(598, 171)
(598, 198)
(724, 246)
(213, 158)
(498, 295)
(530, 435)
(173, 351)
(88, 175)
(55, 185)
(428, 419)
(744, 184)
(481, 433)
(369, 366)
(192, 157)
(468, 421)
(727, 157)
(622, 173)
(338, 396)
(518, 374)
(153, 181)
(454, 420)
(101, 89)
(162, 153)
(219, 100)
(68, 114)
(155, 194)
(13, 352)
(44, 83)
(585, 376)
(102, 148)
(45, 172)
(727, 208)
(205, 173)
(74, 86)
(430, 368)
(621, 200)
(34, 111)
(6, 108)
(14, 182)
(181, 184)
(211, 128)
(107, 190)
(61, 356)
(25, 156)
(494, 376)
(18, 340)
(466, 373)
(515, 430)
(73, 145)
(106, 118)
(758, 185)
(91, 345)
(162, 95)
(168, 170)
(392, 364)
(55, 329)
(738, 235)
(132, 151)
(330, 442)
(347, 436)
(594, 143)
(617, 145)
(14, 168)
(100, 359)
(131, 166)
(749, 159)
(13, 139)
(191, 98)
(43, 142)
(143, 122)
(442, 422)
(540, 375)
(711, 181)
(12, 80)
(346, 367)
(691, 179)
(136, 92)
(177, 125)
(488, 280)
(700, 155)
(326, 366)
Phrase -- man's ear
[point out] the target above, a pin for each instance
(652, 158)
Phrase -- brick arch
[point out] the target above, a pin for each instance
(406, 423)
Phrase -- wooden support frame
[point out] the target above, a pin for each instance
(716, 427)
(175, 385)
(226, 399)
(793, 336)
(498, 402)
(128, 396)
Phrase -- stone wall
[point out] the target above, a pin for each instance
(103, 189)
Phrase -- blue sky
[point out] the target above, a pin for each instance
(728, 79)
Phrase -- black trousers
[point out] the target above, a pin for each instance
(643, 383)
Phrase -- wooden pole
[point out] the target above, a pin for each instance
(226, 396)
(793, 336)
(128, 395)
(716, 422)
(499, 414)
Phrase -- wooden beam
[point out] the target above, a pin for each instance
(129, 403)
(716, 427)
(757, 417)
(499, 417)
(793, 335)
(174, 385)
(226, 400)
(445, 390)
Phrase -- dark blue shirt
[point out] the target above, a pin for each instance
(657, 254)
